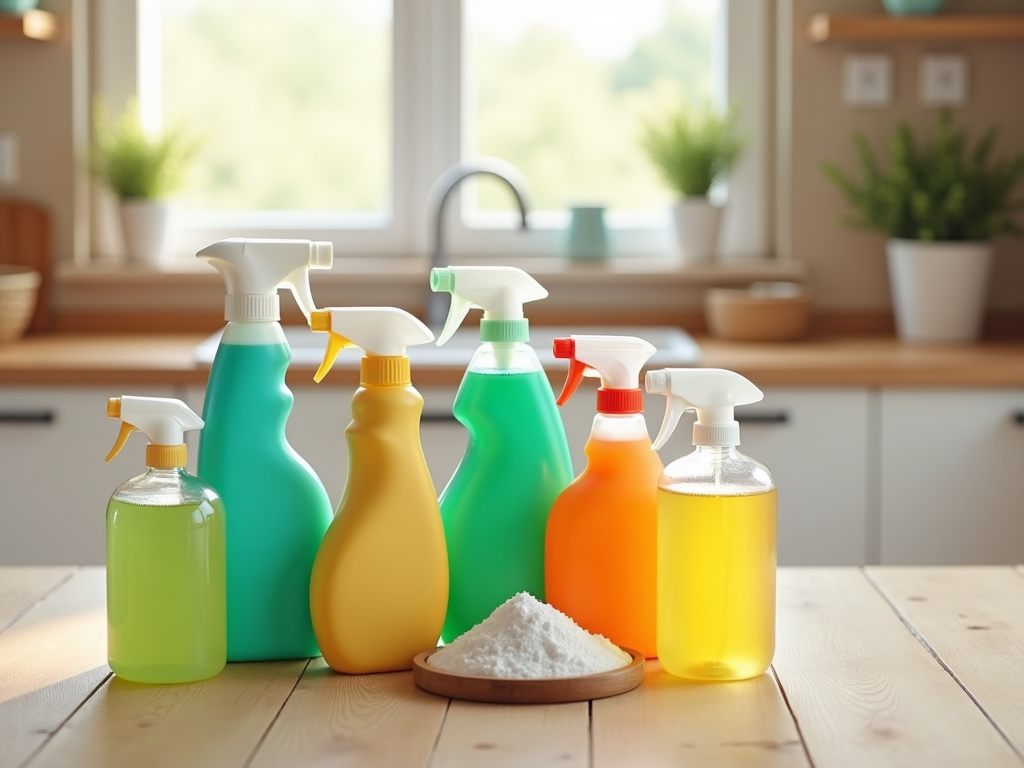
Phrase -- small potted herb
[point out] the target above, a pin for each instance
(941, 203)
(693, 149)
(141, 170)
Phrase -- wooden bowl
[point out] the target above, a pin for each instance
(19, 287)
(763, 312)
(554, 690)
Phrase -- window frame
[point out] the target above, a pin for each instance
(427, 138)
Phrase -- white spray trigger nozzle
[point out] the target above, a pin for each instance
(379, 331)
(499, 291)
(253, 270)
(712, 392)
(164, 420)
(616, 360)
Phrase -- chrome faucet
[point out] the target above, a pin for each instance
(437, 303)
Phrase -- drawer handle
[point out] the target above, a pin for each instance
(768, 417)
(438, 418)
(27, 417)
(1018, 416)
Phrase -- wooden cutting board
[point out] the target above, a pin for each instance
(26, 239)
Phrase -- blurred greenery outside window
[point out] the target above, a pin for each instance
(308, 126)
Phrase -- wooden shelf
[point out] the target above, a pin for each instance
(33, 25)
(828, 27)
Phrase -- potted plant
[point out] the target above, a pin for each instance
(693, 149)
(141, 170)
(940, 203)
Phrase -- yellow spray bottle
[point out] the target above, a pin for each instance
(716, 535)
(379, 588)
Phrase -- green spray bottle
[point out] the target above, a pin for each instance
(165, 555)
(495, 508)
(277, 508)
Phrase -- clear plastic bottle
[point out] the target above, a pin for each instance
(716, 536)
(166, 593)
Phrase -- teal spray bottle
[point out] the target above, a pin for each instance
(716, 535)
(165, 555)
(495, 508)
(277, 509)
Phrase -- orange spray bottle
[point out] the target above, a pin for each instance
(601, 546)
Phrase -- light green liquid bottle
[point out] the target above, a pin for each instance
(166, 613)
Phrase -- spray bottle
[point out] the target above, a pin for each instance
(277, 508)
(716, 535)
(601, 547)
(380, 581)
(495, 508)
(165, 555)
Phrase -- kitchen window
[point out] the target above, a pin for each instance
(332, 118)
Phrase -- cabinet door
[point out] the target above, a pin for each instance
(815, 442)
(54, 485)
(951, 476)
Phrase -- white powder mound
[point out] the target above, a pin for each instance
(527, 639)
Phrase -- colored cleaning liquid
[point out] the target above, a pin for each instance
(165, 591)
(716, 584)
(496, 506)
(602, 545)
(277, 509)
(380, 583)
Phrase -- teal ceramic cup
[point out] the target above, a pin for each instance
(588, 236)
(17, 7)
(912, 7)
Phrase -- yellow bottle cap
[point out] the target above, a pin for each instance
(166, 456)
(384, 371)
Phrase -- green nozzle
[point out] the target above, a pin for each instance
(442, 280)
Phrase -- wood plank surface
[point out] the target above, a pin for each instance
(862, 688)
(20, 588)
(477, 735)
(354, 720)
(877, 27)
(668, 721)
(51, 659)
(26, 235)
(973, 619)
(217, 722)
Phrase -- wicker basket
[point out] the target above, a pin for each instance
(18, 289)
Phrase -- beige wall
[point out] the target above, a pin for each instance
(847, 267)
(40, 86)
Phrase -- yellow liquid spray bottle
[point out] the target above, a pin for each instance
(716, 535)
(379, 588)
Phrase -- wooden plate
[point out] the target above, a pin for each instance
(509, 691)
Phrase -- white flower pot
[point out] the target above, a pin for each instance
(939, 289)
(697, 223)
(147, 227)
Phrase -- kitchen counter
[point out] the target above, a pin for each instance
(876, 666)
(824, 361)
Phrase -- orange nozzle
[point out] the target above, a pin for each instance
(335, 343)
(565, 349)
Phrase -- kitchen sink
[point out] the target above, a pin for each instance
(675, 347)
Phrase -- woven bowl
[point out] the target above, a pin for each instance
(19, 287)
(763, 312)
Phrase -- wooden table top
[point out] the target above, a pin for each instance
(63, 360)
(874, 667)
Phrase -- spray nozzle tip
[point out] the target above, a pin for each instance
(442, 280)
(321, 254)
(320, 321)
(114, 407)
(563, 348)
(657, 382)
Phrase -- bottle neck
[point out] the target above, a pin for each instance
(619, 428)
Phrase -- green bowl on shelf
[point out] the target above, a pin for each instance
(912, 7)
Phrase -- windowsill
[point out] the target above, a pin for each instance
(111, 297)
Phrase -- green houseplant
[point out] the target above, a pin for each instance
(940, 203)
(141, 171)
(693, 149)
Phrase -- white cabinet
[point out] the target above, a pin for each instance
(952, 476)
(815, 442)
(54, 485)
